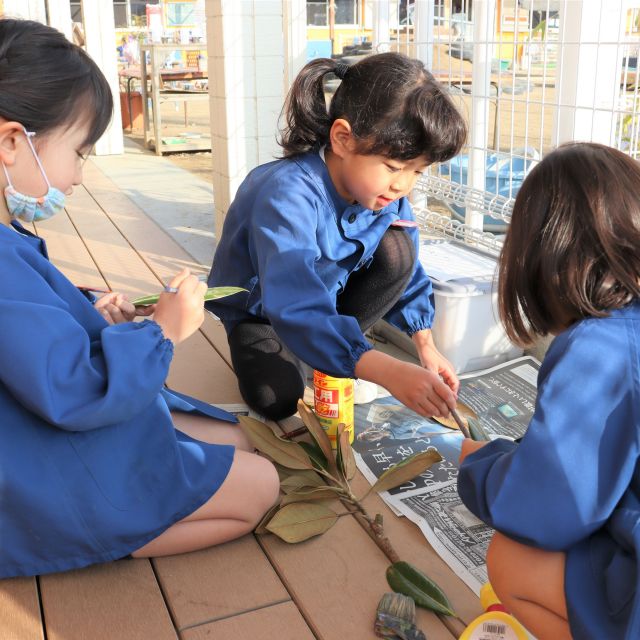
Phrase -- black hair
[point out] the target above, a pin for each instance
(395, 107)
(47, 81)
(571, 250)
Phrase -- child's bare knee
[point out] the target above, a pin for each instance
(269, 486)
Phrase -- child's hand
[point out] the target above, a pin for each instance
(432, 359)
(116, 308)
(420, 389)
(469, 446)
(180, 314)
(417, 388)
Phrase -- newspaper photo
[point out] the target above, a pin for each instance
(387, 432)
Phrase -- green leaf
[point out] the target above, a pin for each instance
(476, 430)
(344, 454)
(406, 470)
(406, 579)
(212, 293)
(315, 453)
(284, 452)
(319, 434)
(311, 493)
(301, 521)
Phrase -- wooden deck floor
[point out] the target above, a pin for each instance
(253, 588)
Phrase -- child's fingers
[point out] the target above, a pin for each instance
(179, 278)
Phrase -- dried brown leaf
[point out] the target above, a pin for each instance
(344, 454)
(288, 454)
(406, 470)
(317, 432)
(301, 521)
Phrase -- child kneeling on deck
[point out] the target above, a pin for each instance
(92, 464)
(566, 500)
(326, 242)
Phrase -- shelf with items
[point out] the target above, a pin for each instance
(174, 83)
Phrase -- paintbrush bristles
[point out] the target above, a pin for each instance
(398, 606)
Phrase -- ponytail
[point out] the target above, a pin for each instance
(305, 111)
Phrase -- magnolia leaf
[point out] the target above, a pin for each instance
(406, 470)
(315, 453)
(289, 454)
(315, 429)
(344, 454)
(212, 293)
(284, 472)
(406, 579)
(301, 521)
(295, 482)
(261, 527)
(311, 493)
(464, 412)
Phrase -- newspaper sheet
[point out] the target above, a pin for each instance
(387, 432)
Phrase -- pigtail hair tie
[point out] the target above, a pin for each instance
(340, 70)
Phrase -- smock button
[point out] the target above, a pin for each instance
(352, 218)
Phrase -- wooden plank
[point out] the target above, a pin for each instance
(20, 610)
(116, 600)
(219, 582)
(337, 580)
(70, 252)
(162, 254)
(281, 621)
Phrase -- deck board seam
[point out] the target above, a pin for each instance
(43, 624)
(164, 596)
(234, 615)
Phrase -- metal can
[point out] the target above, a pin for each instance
(333, 404)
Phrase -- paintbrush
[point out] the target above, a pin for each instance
(396, 618)
(461, 425)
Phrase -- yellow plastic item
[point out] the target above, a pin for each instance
(333, 404)
(496, 623)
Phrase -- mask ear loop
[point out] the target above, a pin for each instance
(29, 135)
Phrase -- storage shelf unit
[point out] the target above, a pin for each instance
(158, 94)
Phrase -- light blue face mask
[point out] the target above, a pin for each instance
(26, 207)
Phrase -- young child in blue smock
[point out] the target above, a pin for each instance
(566, 500)
(326, 243)
(92, 467)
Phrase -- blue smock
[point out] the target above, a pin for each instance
(573, 483)
(91, 466)
(292, 241)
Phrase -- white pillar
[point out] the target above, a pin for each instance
(483, 36)
(294, 18)
(60, 16)
(423, 17)
(245, 44)
(381, 35)
(29, 9)
(100, 36)
(588, 71)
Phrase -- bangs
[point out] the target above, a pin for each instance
(424, 123)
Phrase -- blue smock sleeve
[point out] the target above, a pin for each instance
(64, 374)
(564, 479)
(294, 298)
(415, 308)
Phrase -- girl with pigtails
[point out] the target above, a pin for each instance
(325, 241)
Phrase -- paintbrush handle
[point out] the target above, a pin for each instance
(461, 425)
